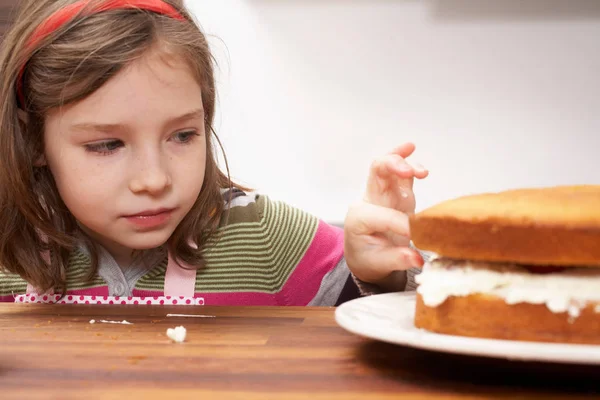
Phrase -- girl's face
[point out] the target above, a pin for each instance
(129, 159)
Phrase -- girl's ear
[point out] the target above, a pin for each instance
(40, 160)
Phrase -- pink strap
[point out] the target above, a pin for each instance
(31, 289)
(179, 281)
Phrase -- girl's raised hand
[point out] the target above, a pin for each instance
(377, 236)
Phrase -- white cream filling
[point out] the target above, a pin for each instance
(177, 334)
(567, 291)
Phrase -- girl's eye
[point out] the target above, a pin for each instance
(185, 137)
(104, 148)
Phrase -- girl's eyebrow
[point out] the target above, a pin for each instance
(197, 114)
(189, 116)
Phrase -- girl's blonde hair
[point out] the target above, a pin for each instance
(68, 65)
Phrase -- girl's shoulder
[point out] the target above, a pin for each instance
(242, 207)
(253, 208)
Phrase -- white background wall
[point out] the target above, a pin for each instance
(496, 94)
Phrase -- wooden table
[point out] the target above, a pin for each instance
(244, 353)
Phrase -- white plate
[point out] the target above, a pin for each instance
(389, 318)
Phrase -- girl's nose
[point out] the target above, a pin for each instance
(152, 175)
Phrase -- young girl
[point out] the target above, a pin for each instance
(110, 190)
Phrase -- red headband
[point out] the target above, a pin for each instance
(68, 13)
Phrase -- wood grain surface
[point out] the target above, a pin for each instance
(52, 351)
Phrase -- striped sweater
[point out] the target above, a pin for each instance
(268, 253)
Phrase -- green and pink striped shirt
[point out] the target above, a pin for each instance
(268, 253)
